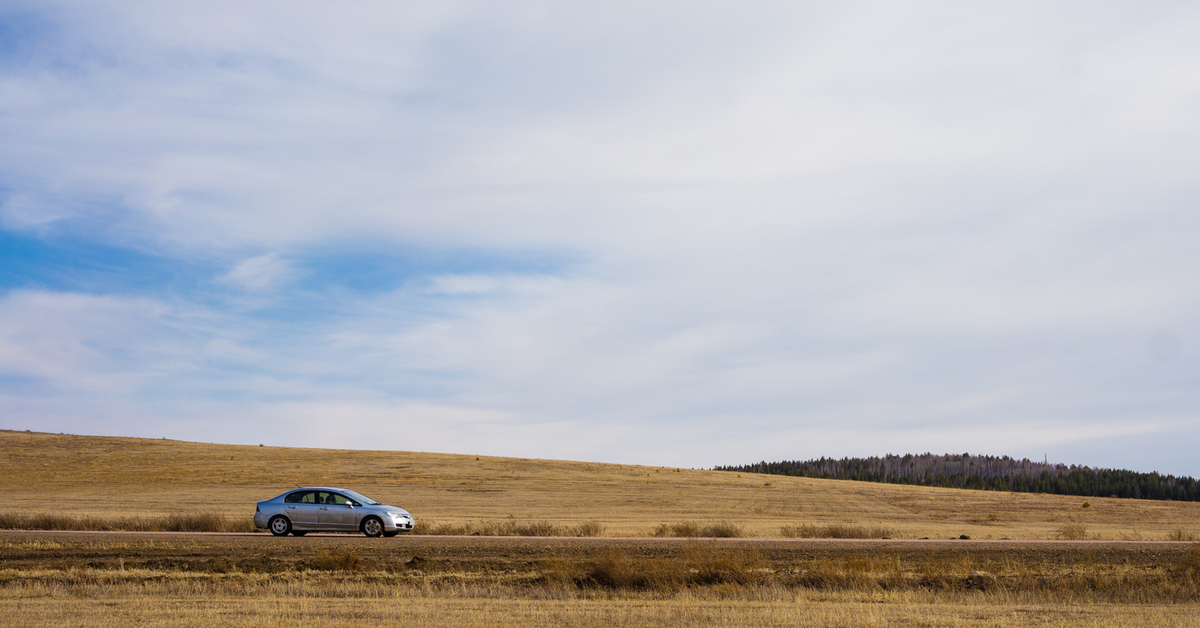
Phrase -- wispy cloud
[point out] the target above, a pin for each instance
(260, 273)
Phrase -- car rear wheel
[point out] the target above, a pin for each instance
(372, 526)
(279, 525)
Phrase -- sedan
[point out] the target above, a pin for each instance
(325, 509)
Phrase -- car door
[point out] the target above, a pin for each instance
(337, 512)
(302, 509)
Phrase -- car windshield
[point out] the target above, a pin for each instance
(360, 498)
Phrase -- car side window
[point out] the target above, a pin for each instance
(334, 498)
(300, 497)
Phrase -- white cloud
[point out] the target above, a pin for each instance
(810, 223)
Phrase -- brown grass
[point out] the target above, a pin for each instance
(691, 530)
(334, 560)
(317, 605)
(508, 527)
(189, 522)
(107, 479)
(584, 582)
(835, 531)
(1181, 535)
(1065, 572)
(1073, 532)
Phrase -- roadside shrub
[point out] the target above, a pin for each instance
(691, 529)
(697, 565)
(617, 570)
(588, 528)
(710, 565)
(834, 531)
(687, 529)
(190, 522)
(333, 560)
(1181, 535)
(1073, 532)
(508, 527)
(1188, 567)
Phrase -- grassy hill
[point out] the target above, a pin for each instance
(107, 476)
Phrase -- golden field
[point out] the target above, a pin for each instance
(107, 476)
(1125, 574)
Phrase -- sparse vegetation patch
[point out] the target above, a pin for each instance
(692, 529)
(834, 531)
(191, 522)
(509, 527)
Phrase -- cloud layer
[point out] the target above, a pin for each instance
(664, 233)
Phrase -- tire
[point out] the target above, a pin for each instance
(372, 526)
(299, 532)
(279, 525)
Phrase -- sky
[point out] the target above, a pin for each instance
(667, 233)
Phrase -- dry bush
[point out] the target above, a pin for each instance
(685, 529)
(834, 531)
(617, 570)
(588, 528)
(1188, 567)
(692, 530)
(1181, 535)
(710, 565)
(698, 565)
(188, 522)
(333, 560)
(829, 575)
(199, 522)
(508, 527)
(1073, 532)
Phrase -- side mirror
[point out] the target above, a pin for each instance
(349, 505)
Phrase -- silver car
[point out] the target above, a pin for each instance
(326, 509)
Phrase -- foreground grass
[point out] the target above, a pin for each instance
(104, 566)
(318, 604)
(60, 579)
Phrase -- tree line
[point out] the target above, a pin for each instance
(993, 473)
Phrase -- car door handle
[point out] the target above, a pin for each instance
(324, 507)
(291, 507)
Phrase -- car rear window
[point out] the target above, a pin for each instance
(300, 497)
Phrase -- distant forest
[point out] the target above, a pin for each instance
(992, 473)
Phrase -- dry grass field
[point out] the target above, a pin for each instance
(162, 579)
(1126, 573)
(130, 477)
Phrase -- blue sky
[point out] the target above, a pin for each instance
(665, 233)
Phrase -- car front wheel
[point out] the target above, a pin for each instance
(372, 526)
(279, 525)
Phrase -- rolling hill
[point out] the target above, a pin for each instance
(111, 476)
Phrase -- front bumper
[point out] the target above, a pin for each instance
(398, 523)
